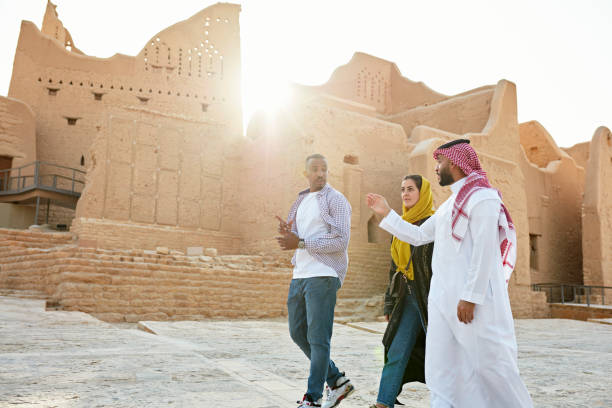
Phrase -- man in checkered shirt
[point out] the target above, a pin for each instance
(318, 228)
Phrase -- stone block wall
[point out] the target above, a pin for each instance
(57, 215)
(568, 311)
(107, 234)
(132, 285)
(368, 273)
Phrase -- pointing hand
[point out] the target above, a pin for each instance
(378, 204)
(284, 227)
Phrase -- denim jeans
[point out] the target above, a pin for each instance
(399, 353)
(311, 304)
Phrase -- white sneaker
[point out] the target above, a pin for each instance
(334, 396)
(307, 402)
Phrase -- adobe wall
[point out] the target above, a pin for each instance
(16, 216)
(18, 141)
(17, 132)
(385, 154)
(597, 211)
(538, 145)
(461, 114)
(54, 28)
(190, 71)
(374, 86)
(153, 131)
(554, 207)
(159, 180)
(273, 166)
(579, 152)
(159, 135)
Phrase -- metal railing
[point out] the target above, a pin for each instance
(42, 175)
(573, 293)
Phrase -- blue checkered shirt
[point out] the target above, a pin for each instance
(330, 249)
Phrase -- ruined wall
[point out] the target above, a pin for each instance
(152, 130)
(190, 71)
(554, 221)
(372, 86)
(159, 136)
(538, 145)
(579, 152)
(462, 114)
(54, 28)
(17, 132)
(597, 211)
(163, 173)
(554, 207)
(133, 285)
(17, 148)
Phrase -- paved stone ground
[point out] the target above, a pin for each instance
(69, 359)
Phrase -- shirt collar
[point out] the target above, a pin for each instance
(456, 186)
(322, 191)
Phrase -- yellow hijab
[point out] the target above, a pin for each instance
(400, 251)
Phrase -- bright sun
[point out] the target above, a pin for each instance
(264, 93)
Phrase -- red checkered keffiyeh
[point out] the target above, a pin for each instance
(463, 155)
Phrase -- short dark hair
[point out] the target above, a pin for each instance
(314, 156)
(454, 142)
(418, 180)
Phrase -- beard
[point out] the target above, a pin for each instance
(446, 179)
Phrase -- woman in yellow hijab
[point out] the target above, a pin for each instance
(406, 298)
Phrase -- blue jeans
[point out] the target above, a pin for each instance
(399, 353)
(311, 304)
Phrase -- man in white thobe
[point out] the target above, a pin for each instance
(471, 358)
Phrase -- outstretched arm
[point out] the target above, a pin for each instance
(394, 224)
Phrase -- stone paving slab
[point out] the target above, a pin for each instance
(69, 359)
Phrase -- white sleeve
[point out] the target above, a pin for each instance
(485, 258)
(407, 232)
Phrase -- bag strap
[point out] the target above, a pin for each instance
(394, 291)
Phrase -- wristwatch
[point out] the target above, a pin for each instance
(301, 244)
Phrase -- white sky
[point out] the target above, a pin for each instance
(558, 52)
